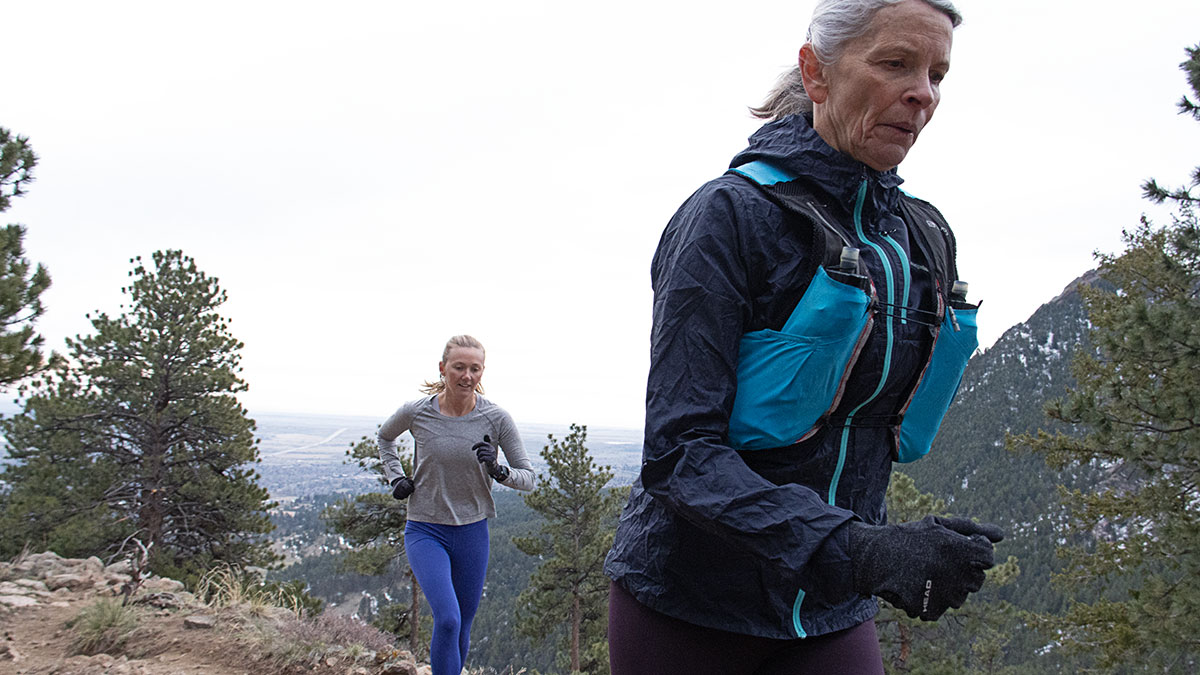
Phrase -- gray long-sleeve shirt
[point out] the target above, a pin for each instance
(451, 487)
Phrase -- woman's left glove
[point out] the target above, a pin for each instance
(924, 567)
(402, 487)
(485, 452)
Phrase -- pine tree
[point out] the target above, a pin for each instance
(569, 587)
(17, 160)
(1133, 553)
(21, 285)
(140, 436)
(372, 524)
(1182, 195)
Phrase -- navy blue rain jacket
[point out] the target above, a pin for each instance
(753, 541)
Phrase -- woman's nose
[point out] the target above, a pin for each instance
(921, 92)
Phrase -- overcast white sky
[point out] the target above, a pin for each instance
(368, 178)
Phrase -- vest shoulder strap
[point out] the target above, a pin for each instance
(796, 198)
(934, 236)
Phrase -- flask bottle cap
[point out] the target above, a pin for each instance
(849, 261)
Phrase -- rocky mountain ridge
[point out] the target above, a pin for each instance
(63, 616)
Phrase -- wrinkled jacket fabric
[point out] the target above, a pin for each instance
(754, 542)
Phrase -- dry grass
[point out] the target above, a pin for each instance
(290, 642)
(302, 644)
(227, 586)
(106, 626)
(251, 634)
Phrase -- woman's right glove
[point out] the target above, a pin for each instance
(485, 452)
(924, 567)
(402, 487)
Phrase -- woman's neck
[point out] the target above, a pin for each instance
(455, 406)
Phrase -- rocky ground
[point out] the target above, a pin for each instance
(42, 596)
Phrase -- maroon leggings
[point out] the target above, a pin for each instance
(643, 642)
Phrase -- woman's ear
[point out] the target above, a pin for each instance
(812, 72)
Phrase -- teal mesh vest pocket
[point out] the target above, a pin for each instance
(938, 385)
(788, 379)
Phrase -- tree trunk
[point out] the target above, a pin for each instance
(576, 625)
(414, 616)
(905, 645)
(152, 510)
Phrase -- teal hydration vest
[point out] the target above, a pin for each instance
(790, 380)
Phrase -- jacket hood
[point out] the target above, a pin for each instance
(792, 145)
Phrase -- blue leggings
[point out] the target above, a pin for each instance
(450, 562)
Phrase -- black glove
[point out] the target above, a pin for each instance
(485, 452)
(924, 567)
(402, 487)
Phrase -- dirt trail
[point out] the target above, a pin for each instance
(36, 640)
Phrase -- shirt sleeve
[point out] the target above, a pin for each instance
(520, 474)
(389, 431)
(703, 277)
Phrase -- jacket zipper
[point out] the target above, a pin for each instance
(888, 273)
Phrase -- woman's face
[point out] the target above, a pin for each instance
(873, 102)
(462, 370)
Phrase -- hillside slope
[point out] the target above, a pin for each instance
(1004, 391)
(63, 616)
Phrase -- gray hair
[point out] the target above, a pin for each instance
(834, 24)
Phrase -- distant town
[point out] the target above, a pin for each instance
(304, 455)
